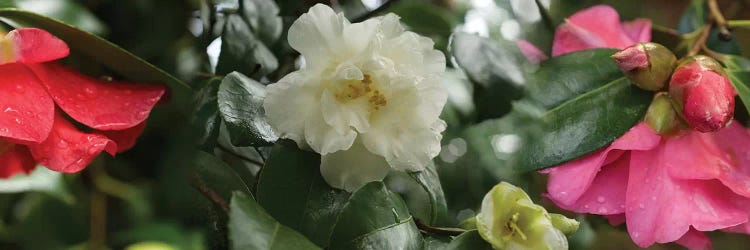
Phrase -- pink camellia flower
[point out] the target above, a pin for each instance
(703, 93)
(34, 93)
(664, 188)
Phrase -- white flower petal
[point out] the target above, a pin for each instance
(405, 149)
(288, 103)
(345, 116)
(353, 168)
(317, 35)
(323, 138)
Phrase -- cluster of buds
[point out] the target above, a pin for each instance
(694, 91)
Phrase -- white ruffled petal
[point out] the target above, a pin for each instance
(317, 35)
(288, 103)
(323, 138)
(343, 116)
(353, 168)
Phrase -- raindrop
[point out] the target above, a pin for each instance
(600, 199)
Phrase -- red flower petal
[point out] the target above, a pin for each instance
(125, 139)
(98, 104)
(15, 161)
(25, 107)
(69, 150)
(32, 45)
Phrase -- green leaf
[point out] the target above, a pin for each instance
(250, 227)
(217, 175)
(736, 63)
(497, 67)
(470, 240)
(206, 119)
(694, 17)
(241, 106)
(377, 217)
(243, 51)
(41, 180)
(429, 180)
(293, 191)
(741, 82)
(99, 50)
(576, 104)
(67, 11)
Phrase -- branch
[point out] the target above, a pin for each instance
(701, 40)
(199, 185)
(235, 154)
(721, 23)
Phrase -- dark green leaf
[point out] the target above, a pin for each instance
(99, 50)
(736, 63)
(293, 191)
(741, 82)
(497, 68)
(378, 217)
(429, 180)
(250, 227)
(243, 51)
(216, 175)
(470, 240)
(206, 118)
(241, 106)
(694, 17)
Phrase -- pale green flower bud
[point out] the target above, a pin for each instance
(661, 115)
(648, 65)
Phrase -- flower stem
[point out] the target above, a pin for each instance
(739, 24)
(98, 216)
(700, 40)
(201, 186)
(721, 23)
(438, 230)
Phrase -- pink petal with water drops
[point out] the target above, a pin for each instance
(16, 160)
(695, 240)
(565, 192)
(532, 53)
(615, 219)
(31, 45)
(98, 104)
(606, 194)
(639, 30)
(69, 150)
(26, 110)
(125, 139)
(597, 27)
(660, 208)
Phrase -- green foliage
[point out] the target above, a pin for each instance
(241, 107)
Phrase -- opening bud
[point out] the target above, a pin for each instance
(647, 65)
(661, 115)
(702, 93)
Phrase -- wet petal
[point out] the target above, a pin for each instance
(695, 240)
(125, 139)
(25, 107)
(660, 208)
(98, 104)
(606, 194)
(31, 45)
(639, 30)
(16, 160)
(69, 150)
(565, 192)
(596, 27)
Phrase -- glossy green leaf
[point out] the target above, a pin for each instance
(243, 51)
(206, 119)
(263, 18)
(293, 191)
(99, 50)
(470, 240)
(429, 180)
(576, 104)
(216, 175)
(735, 63)
(250, 227)
(741, 82)
(241, 106)
(497, 67)
(375, 216)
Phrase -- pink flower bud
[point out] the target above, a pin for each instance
(648, 65)
(702, 93)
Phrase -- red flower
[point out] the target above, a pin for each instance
(34, 92)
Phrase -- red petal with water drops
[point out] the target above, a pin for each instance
(26, 110)
(16, 161)
(32, 45)
(69, 150)
(125, 139)
(98, 104)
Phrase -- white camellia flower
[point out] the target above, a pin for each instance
(367, 99)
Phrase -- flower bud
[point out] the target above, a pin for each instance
(648, 65)
(661, 116)
(702, 94)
